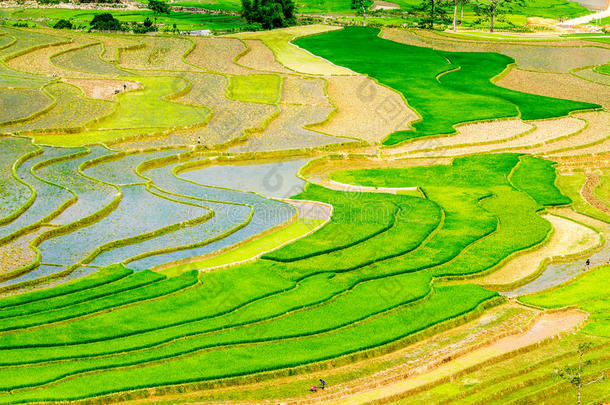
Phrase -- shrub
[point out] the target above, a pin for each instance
(106, 22)
(269, 13)
(63, 24)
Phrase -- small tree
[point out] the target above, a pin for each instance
(158, 7)
(458, 4)
(63, 24)
(492, 9)
(462, 2)
(105, 22)
(573, 375)
(362, 6)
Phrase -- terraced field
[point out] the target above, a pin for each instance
(233, 218)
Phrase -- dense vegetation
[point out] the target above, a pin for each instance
(269, 14)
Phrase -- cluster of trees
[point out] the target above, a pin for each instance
(107, 22)
(487, 10)
(268, 14)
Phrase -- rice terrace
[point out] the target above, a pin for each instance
(303, 202)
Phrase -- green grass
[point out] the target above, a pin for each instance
(16, 82)
(251, 249)
(605, 69)
(226, 5)
(124, 284)
(183, 21)
(105, 276)
(140, 109)
(570, 185)
(586, 293)
(464, 93)
(602, 190)
(149, 285)
(350, 224)
(448, 301)
(263, 89)
(536, 177)
(484, 176)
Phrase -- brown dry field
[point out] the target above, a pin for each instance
(366, 110)
(475, 133)
(287, 131)
(588, 193)
(163, 53)
(260, 57)
(218, 55)
(556, 85)
(103, 89)
(39, 62)
(569, 238)
(559, 57)
(545, 134)
(17, 253)
(304, 91)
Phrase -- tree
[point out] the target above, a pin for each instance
(105, 22)
(462, 2)
(63, 24)
(158, 7)
(432, 8)
(456, 4)
(268, 13)
(362, 6)
(573, 375)
(490, 9)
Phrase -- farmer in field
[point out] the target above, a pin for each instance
(322, 383)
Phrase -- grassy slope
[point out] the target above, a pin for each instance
(464, 94)
(537, 178)
(255, 88)
(570, 185)
(585, 293)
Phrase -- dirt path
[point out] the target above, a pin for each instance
(588, 194)
(549, 324)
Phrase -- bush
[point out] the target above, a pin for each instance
(63, 24)
(269, 13)
(143, 28)
(106, 22)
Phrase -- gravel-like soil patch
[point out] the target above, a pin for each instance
(366, 110)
